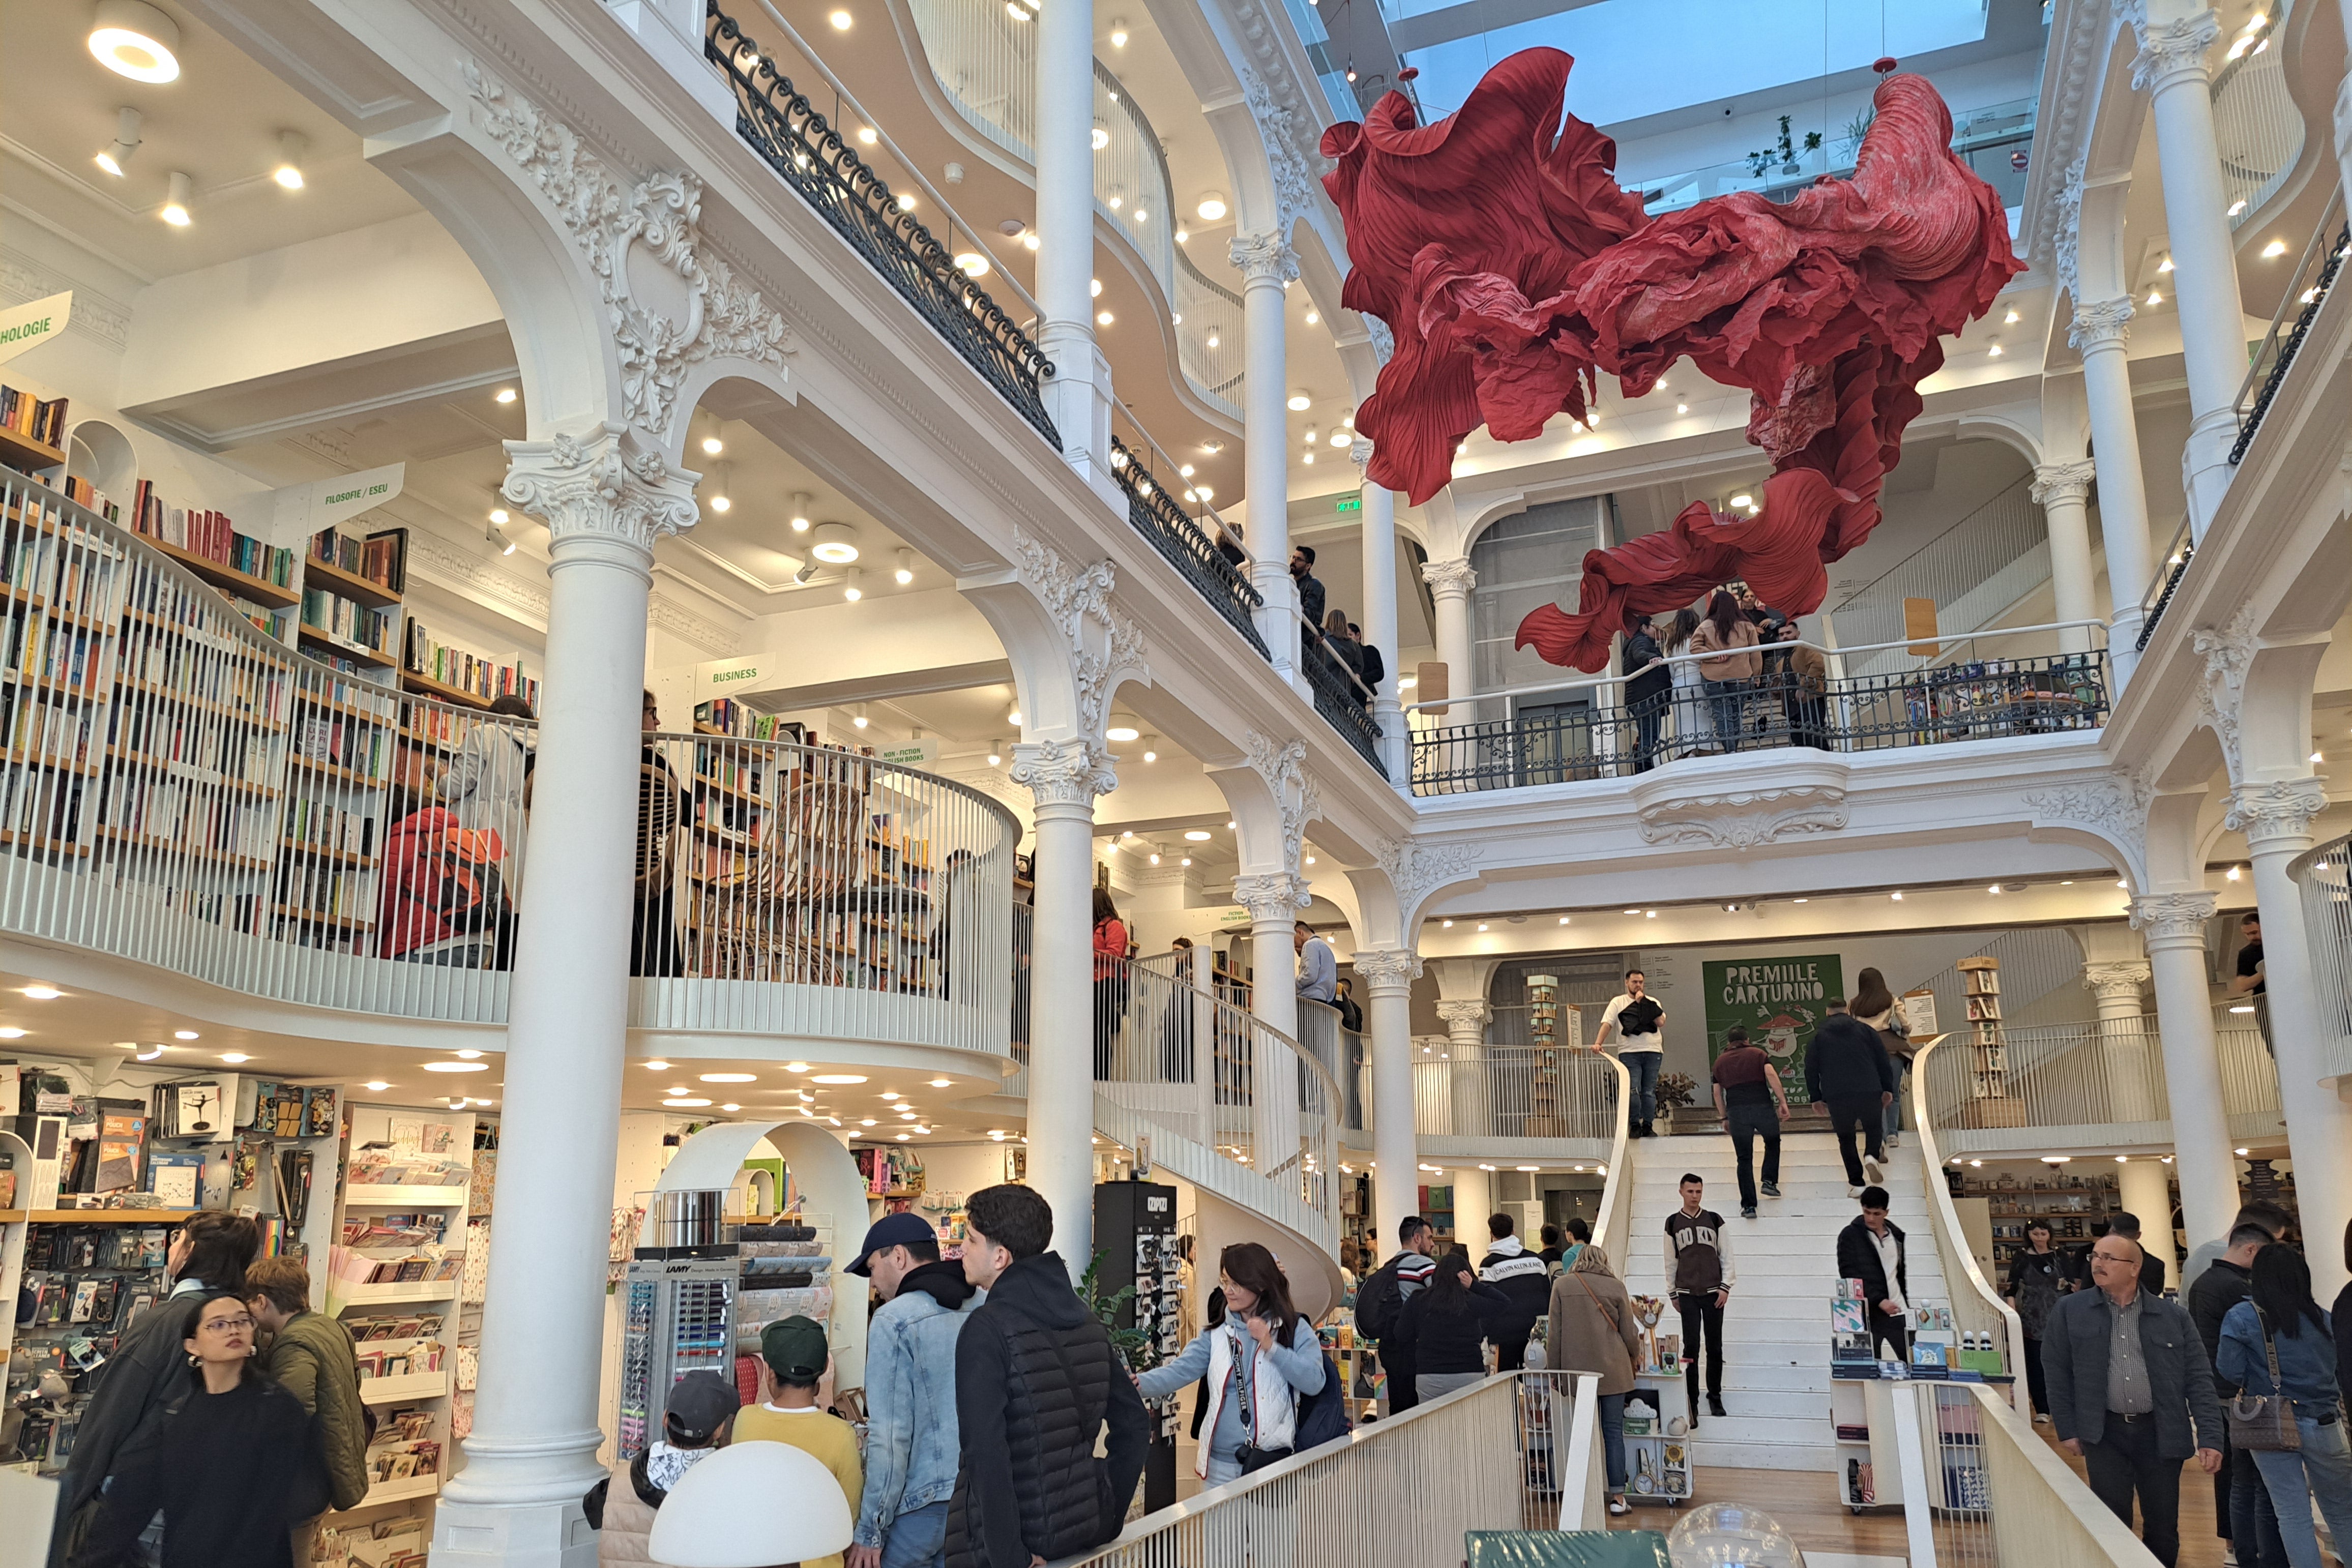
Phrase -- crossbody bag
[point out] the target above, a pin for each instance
(1251, 1458)
(2264, 1423)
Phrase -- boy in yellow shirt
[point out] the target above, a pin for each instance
(794, 1357)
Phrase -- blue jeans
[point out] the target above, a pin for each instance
(1612, 1439)
(2322, 1471)
(1729, 700)
(1643, 1066)
(1895, 1106)
(918, 1538)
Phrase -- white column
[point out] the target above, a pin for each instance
(1273, 900)
(1078, 395)
(1063, 776)
(2062, 491)
(533, 1452)
(1266, 264)
(2123, 1038)
(1381, 618)
(2102, 330)
(2172, 69)
(1466, 1029)
(2173, 926)
(2276, 817)
(1449, 582)
(2145, 1187)
(1388, 979)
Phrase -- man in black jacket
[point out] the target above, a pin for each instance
(1848, 1070)
(1647, 692)
(1870, 1248)
(1037, 1380)
(2132, 1393)
(1521, 1275)
(1310, 593)
(1375, 668)
(1379, 1306)
(2242, 1513)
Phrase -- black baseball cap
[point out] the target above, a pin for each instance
(794, 1348)
(699, 1404)
(891, 1230)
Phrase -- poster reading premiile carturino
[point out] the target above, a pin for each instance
(1779, 1000)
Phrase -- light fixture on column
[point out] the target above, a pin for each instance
(292, 147)
(135, 40)
(175, 203)
(720, 500)
(116, 154)
(1211, 207)
(905, 574)
(852, 585)
(800, 511)
(835, 544)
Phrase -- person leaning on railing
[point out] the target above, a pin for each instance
(1731, 638)
(1804, 690)
(1649, 685)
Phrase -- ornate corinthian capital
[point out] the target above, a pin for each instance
(1461, 1012)
(1360, 455)
(2115, 982)
(2172, 919)
(1392, 970)
(2063, 482)
(2171, 50)
(1261, 257)
(1063, 772)
(2281, 809)
(599, 486)
(1272, 895)
(2099, 323)
(1452, 576)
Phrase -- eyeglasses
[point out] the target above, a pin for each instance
(223, 1325)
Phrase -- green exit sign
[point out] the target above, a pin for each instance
(1350, 504)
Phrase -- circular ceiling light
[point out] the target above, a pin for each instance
(838, 1078)
(184, 1034)
(456, 1067)
(940, 1082)
(1211, 207)
(730, 1078)
(835, 544)
(377, 1084)
(1122, 732)
(136, 40)
(686, 1102)
(1197, 836)
(971, 264)
(43, 993)
(1300, 402)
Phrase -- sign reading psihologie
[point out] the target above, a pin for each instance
(1779, 1000)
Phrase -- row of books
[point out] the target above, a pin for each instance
(202, 531)
(38, 729)
(354, 625)
(82, 491)
(423, 1357)
(59, 568)
(166, 736)
(320, 825)
(363, 746)
(452, 666)
(393, 1327)
(244, 686)
(42, 419)
(729, 717)
(378, 558)
(178, 812)
(62, 655)
(325, 890)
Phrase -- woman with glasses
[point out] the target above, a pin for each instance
(230, 1468)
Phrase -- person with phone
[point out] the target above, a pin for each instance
(1262, 1364)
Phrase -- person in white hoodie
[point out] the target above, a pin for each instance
(1525, 1278)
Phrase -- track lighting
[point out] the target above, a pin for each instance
(836, 544)
(996, 754)
(720, 500)
(859, 719)
(1119, 33)
(176, 205)
(800, 511)
(905, 572)
(116, 154)
(850, 587)
(292, 146)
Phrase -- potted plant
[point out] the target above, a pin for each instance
(1783, 151)
(1673, 1089)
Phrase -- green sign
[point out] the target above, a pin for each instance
(1778, 999)
(1350, 504)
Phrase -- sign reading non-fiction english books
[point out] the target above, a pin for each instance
(1778, 999)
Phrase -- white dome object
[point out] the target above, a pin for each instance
(751, 1505)
(1725, 1534)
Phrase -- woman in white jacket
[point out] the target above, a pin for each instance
(1262, 1361)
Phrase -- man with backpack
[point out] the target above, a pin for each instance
(1379, 1306)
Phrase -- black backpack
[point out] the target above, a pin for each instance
(1322, 1416)
(1379, 1299)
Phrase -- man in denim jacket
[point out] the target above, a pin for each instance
(910, 1402)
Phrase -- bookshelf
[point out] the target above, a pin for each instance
(1989, 1102)
(32, 431)
(447, 672)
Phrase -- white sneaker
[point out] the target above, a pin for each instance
(1893, 1140)
(1874, 1171)
(1853, 1191)
(1619, 1505)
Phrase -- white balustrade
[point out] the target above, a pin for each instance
(2325, 877)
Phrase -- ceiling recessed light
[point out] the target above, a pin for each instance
(1300, 402)
(505, 394)
(796, 1067)
(184, 1034)
(1527, 1168)
(43, 993)
(685, 1101)
(2272, 252)
(835, 544)
(467, 1055)
(378, 1084)
(1122, 732)
(291, 145)
(840, 20)
(940, 1082)
(232, 1057)
(1211, 207)
(730, 1105)
(135, 40)
(12, 1032)
(731, 1078)
(889, 1094)
(838, 1078)
(456, 1067)
(867, 1123)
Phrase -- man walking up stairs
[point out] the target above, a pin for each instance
(1776, 1334)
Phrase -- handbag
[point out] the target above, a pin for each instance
(2264, 1423)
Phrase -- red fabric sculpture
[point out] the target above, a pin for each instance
(1513, 270)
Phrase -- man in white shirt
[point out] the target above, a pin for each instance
(1638, 1023)
(1319, 972)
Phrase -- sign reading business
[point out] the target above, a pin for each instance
(1778, 999)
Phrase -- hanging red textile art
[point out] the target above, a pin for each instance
(1514, 272)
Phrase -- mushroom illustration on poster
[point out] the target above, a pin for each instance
(1778, 999)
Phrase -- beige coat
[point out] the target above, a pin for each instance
(1733, 664)
(1594, 1330)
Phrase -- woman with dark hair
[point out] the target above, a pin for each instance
(2342, 1317)
(2037, 1277)
(1110, 978)
(207, 1258)
(1346, 653)
(1731, 638)
(229, 1465)
(1443, 1327)
(1261, 1362)
(2278, 1342)
(1878, 1007)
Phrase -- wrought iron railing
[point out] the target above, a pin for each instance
(811, 157)
(2159, 592)
(1977, 700)
(1186, 545)
(1342, 700)
(2306, 291)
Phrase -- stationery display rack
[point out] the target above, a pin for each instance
(1659, 1467)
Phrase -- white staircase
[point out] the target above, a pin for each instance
(1776, 1364)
